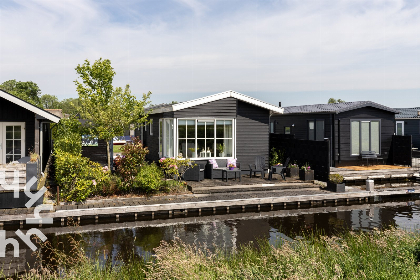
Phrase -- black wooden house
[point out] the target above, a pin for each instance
(351, 127)
(220, 126)
(23, 128)
(407, 122)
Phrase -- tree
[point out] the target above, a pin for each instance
(108, 111)
(28, 91)
(70, 106)
(333, 100)
(50, 102)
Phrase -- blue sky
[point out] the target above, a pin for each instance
(296, 52)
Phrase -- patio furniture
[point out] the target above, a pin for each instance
(226, 171)
(279, 170)
(216, 173)
(259, 166)
(369, 155)
(195, 173)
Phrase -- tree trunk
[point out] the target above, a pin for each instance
(108, 155)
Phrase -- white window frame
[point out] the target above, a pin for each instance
(3, 139)
(370, 136)
(151, 127)
(176, 138)
(396, 127)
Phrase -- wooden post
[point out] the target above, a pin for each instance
(58, 195)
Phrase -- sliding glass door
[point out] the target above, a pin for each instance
(365, 136)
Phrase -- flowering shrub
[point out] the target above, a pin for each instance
(129, 164)
(306, 167)
(175, 167)
(149, 178)
(77, 176)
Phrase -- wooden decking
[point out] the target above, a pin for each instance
(376, 172)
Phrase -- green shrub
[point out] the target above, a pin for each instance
(111, 186)
(67, 136)
(149, 178)
(77, 176)
(276, 156)
(336, 178)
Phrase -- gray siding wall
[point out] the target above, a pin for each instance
(216, 109)
(252, 133)
(10, 112)
(412, 127)
(300, 130)
(387, 130)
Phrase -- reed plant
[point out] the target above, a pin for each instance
(386, 254)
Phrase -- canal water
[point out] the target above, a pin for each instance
(113, 241)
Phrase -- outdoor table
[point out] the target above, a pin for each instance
(275, 170)
(226, 171)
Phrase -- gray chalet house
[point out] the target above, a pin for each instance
(407, 122)
(351, 127)
(23, 127)
(220, 126)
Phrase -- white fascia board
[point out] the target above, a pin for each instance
(29, 106)
(226, 94)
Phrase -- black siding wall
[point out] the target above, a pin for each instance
(10, 112)
(96, 153)
(412, 127)
(252, 133)
(387, 130)
(216, 109)
(152, 141)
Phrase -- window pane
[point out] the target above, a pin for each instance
(287, 130)
(221, 148)
(319, 130)
(228, 129)
(17, 132)
(182, 132)
(9, 158)
(355, 133)
(210, 129)
(17, 157)
(228, 148)
(9, 146)
(311, 135)
(210, 147)
(220, 127)
(169, 138)
(191, 152)
(17, 147)
(365, 136)
(201, 130)
(374, 136)
(190, 129)
(201, 145)
(182, 147)
(399, 128)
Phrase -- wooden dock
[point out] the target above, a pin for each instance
(170, 209)
(377, 175)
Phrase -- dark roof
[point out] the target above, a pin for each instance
(334, 107)
(407, 113)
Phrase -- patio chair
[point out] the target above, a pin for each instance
(259, 166)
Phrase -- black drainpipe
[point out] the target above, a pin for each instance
(339, 150)
(332, 163)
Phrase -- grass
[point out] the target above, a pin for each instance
(387, 254)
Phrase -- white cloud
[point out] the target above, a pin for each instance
(259, 46)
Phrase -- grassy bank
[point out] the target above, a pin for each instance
(388, 254)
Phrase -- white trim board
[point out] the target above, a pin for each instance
(215, 97)
(29, 106)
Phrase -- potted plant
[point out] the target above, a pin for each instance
(336, 183)
(221, 149)
(292, 170)
(192, 150)
(231, 166)
(306, 173)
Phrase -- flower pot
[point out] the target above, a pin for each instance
(292, 172)
(231, 168)
(340, 188)
(306, 175)
(221, 154)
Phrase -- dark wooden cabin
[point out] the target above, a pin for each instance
(224, 125)
(23, 128)
(407, 122)
(352, 127)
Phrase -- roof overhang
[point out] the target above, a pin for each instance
(215, 97)
(29, 106)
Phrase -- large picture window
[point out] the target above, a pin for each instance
(205, 138)
(365, 136)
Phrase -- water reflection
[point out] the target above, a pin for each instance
(119, 241)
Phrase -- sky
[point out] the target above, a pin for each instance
(294, 52)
